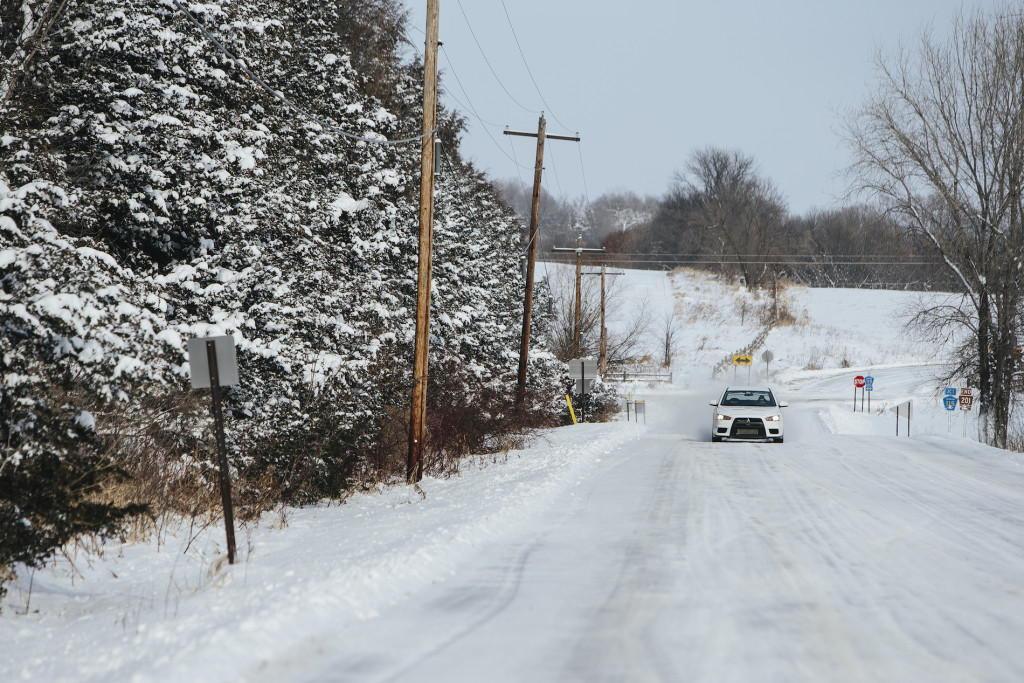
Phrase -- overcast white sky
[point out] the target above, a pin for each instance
(646, 82)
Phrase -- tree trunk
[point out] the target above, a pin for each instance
(984, 376)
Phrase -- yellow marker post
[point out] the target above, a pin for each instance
(571, 411)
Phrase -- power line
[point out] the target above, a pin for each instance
(654, 258)
(583, 172)
(488, 62)
(554, 168)
(522, 184)
(475, 113)
(241, 65)
(894, 258)
(546, 105)
(468, 108)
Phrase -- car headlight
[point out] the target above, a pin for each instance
(773, 418)
(720, 417)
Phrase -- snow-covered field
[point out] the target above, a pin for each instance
(616, 551)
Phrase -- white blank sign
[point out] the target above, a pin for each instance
(227, 366)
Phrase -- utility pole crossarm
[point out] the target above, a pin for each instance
(548, 137)
(580, 249)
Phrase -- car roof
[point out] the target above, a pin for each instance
(750, 388)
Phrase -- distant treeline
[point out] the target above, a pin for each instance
(721, 215)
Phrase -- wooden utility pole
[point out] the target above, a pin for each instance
(531, 252)
(602, 359)
(579, 290)
(418, 410)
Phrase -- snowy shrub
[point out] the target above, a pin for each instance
(602, 402)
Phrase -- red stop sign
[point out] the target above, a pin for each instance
(858, 381)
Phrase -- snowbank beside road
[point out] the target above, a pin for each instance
(175, 611)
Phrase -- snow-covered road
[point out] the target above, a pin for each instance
(830, 557)
(613, 552)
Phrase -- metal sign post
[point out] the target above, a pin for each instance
(739, 360)
(896, 409)
(966, 402)
(583, 391)
(869, 386)
(858, 383)
(767, 357)
(949, 402)
(213, 364)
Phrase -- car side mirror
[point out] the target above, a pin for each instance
(713, 403)
(783, 404)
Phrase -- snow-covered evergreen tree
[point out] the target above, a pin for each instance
(156, 186)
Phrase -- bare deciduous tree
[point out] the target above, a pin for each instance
(734, 203)
(941, 142)
(669, 328)
(624, 340)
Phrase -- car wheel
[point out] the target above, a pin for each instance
(716, 439)
(779, 440)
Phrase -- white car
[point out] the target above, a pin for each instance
(747, 414)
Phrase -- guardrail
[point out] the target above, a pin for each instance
(636, 374)
(747, 350)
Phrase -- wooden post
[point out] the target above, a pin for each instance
(602, 362)
(531, 250)
(222, 451)
(579, 304)
(602, 359)
(531, 260)
(418, 409)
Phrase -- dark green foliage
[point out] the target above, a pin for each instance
(52, 477)
(602, 402)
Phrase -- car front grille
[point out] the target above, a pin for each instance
(747, 428)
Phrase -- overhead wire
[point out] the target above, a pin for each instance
(583, 172)
(522, 185)
(488, 62)
(243, 67)
(554, 169)
(547, 106)
(658, 258)
(891, 257)
(548, 109)
(507, 91)
(474, 111)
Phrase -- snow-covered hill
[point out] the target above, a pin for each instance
(618, 550)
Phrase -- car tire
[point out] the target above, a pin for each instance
(779, 440)
(716, 439)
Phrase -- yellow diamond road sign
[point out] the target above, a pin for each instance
(742, 360)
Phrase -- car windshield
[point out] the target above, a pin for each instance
(748, 398)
